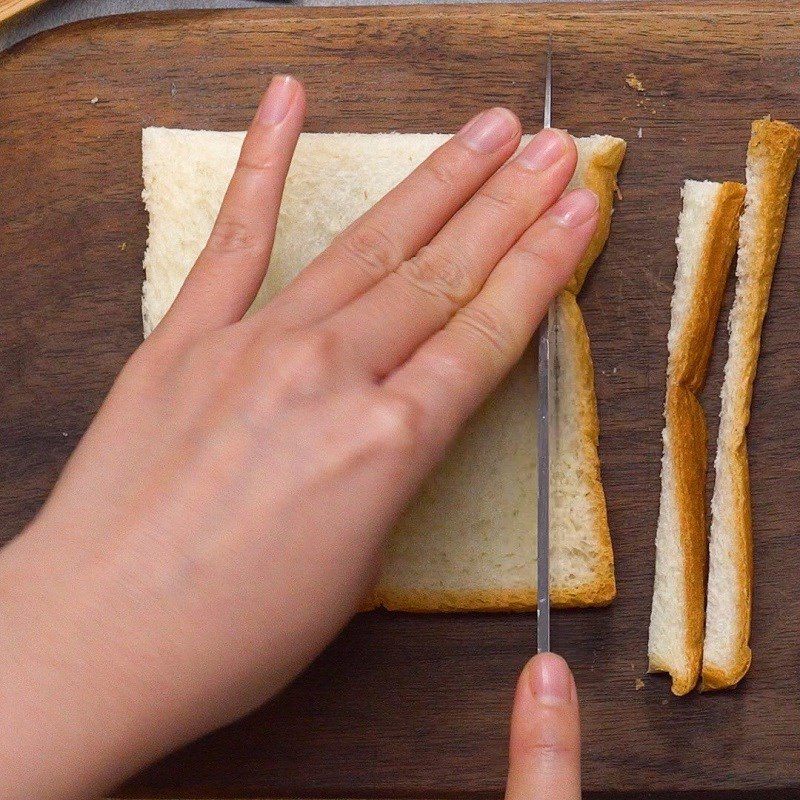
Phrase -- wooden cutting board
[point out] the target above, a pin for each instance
(412, 706)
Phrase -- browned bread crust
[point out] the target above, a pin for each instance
(772, 160)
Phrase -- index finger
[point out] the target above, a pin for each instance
(228, 273)
(544, 759)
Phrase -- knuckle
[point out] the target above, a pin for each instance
(210, 359)
(451, 367)
(396, 422)
(541, 746)
(488, 325)
(445, 168)
(197, 359)
(317, 348)
(229, 235)
(249, 162)
(500, 198)
(529, 250)
(440, 274)
(304, 367)
(545, 259)
(545, 732)
(370, 248)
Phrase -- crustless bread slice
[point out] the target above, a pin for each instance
(771, 162)
(468, 541)
(707, 232)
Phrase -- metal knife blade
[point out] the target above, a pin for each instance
(546, 380)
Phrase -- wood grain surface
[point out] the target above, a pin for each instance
(10, 8)
(413, 706)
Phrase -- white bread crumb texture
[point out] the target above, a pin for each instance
(668, 642)
(667, 637)
(699, 201)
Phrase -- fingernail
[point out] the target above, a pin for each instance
(575, 208)
(490, 130)
(277, 101)
(550, 679)
(544, 150)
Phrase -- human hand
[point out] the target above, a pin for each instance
(545, 747)
(223, 516)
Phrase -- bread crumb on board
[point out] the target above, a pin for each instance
(639, 684)
(94, 101)
(634, 82)
(639, 134)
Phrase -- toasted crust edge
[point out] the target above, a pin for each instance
(777, 145)
(603, 589)
(686, 426)
(591, 595)
(599, 592)
(686, 429)
(600, 176)
(716, 676)
(688, 366)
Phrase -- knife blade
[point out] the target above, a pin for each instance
(545, 408)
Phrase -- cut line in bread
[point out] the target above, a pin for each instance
(771, 163)
(707, 233)
(468, 541)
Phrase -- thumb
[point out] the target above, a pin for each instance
(545, 747)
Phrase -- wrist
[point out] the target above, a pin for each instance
(79, 692)
(57, 670)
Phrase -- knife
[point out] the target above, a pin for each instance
(547, 335)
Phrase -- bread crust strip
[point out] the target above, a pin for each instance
(771, 163)
(678, 592)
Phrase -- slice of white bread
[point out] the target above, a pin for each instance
(771, 163)
(707, 233)
(468, 541)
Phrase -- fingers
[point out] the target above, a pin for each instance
(405, 220)
(544, 751)
(227, 275)
(400, 312)
(454, 371)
